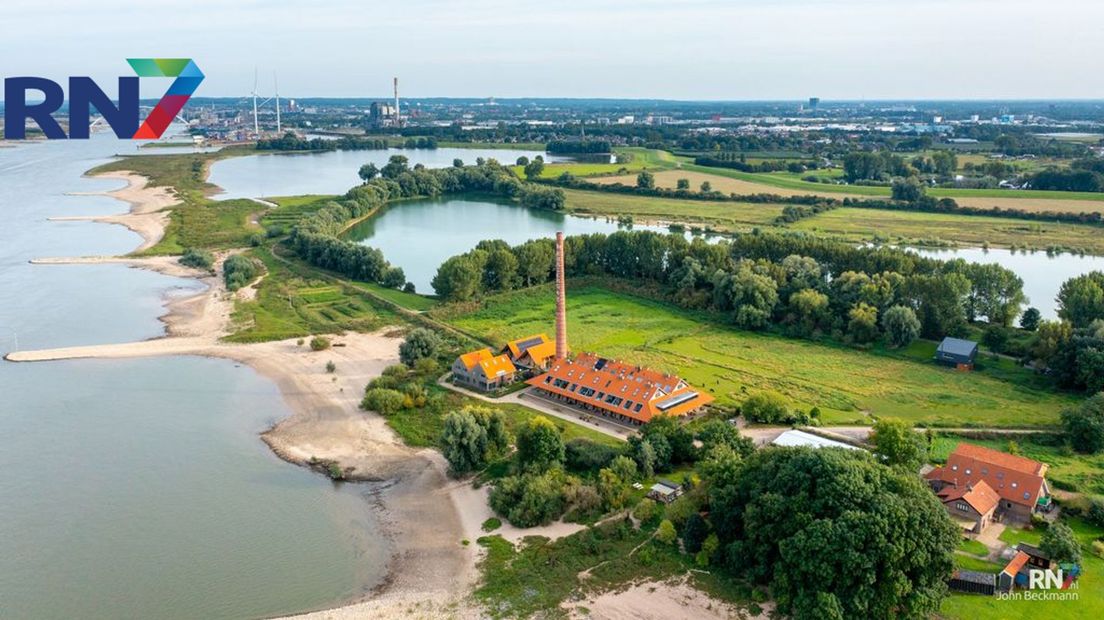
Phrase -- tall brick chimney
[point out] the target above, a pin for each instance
(561, 301)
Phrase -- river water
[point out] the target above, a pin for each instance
(139, 488)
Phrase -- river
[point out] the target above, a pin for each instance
(140, 488)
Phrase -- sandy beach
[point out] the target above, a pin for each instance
(148, 215)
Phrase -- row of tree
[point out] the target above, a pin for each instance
(292, 142)
(808, 285)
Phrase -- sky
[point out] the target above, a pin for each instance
(674, 49)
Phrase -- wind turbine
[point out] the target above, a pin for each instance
(256, 125)
(276, 85)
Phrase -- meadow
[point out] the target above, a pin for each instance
(913, 227)
(848, 385)
(721, 216)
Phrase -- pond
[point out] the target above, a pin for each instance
(1042, 274)
(333, 172)
(419, 235)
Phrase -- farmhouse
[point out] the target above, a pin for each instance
(532, 353)
(972, 506)
(1020, 483)
(483, 370)
(957, 352)
(623, 392)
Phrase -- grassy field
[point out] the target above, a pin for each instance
(1068, 471)
(1090, 603)
(721, 216)
(292, 208)
(910, 227)
(846, 384)
(293, 300)
(639, 159)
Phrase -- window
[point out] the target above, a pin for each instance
(962, 506)
(1014, 485)
(1026, 495)
(968, 472)
(954, 467)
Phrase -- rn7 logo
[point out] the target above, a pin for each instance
(85, 94)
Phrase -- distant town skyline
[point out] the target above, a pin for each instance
(693, 50)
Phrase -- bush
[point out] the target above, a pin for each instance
(420, 343)
(239, 270)
(539, 446)
(529, 500)
(198, 259)
(1084, 425)
(646, 510)
(319, 343)
(383, 401)
(584, 455)
(331, 367)
(766, 408)
(666, 533)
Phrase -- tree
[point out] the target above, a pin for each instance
(682, 184)
(396, 165)
(1030, 319)
(666, 533)
(584, 455)
(419, 343)
(809, 309)
(522, 161)
(368, 172)
(534, 169)
(612, 489)
(464, 442)
(766, 407)
(1084, 425)
(644, 453)
(646, 510)
(863, 323)
(1081, 299)
(706, 187)
(392, 277)
(723, 433)
(457, 163)
(645, 180)
(694, 533)
(529, 500)
(458, 278)
(1050, 338)
(753, 298)
(835, 525)
(907, 190)
(539, 446)
(624, 468)
(897, 444)
(1060, 544)
(500, 273)
(944, 162)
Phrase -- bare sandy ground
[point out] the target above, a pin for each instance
(148, 214)
(670, 600)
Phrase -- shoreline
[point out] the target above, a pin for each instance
(430, 570)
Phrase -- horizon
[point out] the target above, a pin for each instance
(703, 50)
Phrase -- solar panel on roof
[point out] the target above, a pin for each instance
(522, 346)
(675, 401)
(600, 364)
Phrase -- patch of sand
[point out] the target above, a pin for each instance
(148, 215)
(670, 600)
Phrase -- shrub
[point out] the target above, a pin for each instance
(1084, 425)
(530, 499)
(666, 533)
(239, 270)
(420, 343)
(491, 524)
(319, 343)
(583, 455)
(198, 259)
(646, 510)
(383, 401)
(766, 408)
(331, 367)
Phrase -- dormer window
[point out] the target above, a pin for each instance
(968, 472)
(954, 467)
(1014, 485)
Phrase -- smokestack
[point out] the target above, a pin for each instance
(561, 301)
(397, 123)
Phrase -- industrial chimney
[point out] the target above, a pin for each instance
(561, 301)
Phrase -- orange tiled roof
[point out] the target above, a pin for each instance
(539, 353)
(1016, 564)
(519, 346)
(981, 497)
(471, 358)
(1010, 476)
(632, 391)
(497, 365)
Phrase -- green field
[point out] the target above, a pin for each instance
(721, 216)
(639, 159)
(912, 227)
(1090, 587)
(848, 385)
(294, 300)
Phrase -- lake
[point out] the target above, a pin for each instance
(418, 235)
(139, 488)
(1043, 275)
(332, 172)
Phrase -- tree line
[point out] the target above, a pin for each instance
(291, 142)
(806, 286)
(579, 147)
